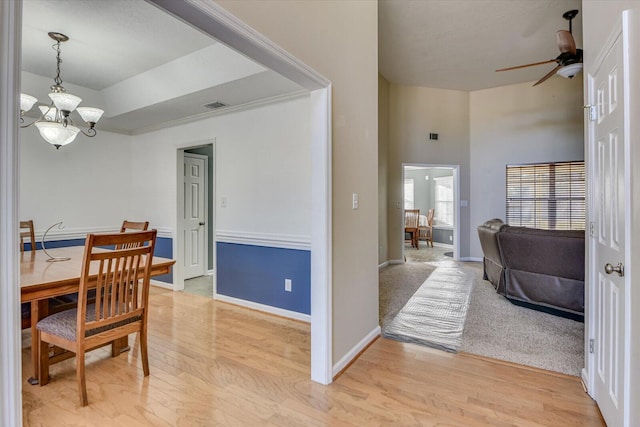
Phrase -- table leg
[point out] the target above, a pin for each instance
(119, 346)
(38, 311)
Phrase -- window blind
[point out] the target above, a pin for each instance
(547, 195)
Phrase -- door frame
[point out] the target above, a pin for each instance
(178, 241)
(10, 359)
(456, 204)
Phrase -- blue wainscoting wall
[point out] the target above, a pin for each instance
(164, 249)
(257, 274)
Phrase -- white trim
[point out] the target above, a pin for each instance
(220, 112)
(81, 233)
(210, 272)
(471, 258)
(264, 308)
(11, 356)
(383, 265)
(161, 284)
(395, 261)
(355, 350)
(214, 20)
(285, 241)
(178, 245)
(321, 243)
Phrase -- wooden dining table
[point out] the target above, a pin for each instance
(41, 279)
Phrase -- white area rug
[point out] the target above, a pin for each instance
(435, 314)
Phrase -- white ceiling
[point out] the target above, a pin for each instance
(145, 68)
(458, 44)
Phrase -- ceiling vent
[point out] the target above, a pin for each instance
(215, 105)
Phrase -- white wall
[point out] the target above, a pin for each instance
(86, 184)
(262, 164)
(519, 124)
(263, 168)
(414, 113)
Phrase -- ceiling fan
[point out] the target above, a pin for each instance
(570, 59)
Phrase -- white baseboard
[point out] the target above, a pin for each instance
(161, 284)
(383, 265)
(395, 261)
(471, 258)
(585, 380)
(353, 353)
(265, 308)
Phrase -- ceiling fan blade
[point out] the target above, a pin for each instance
(565, 41)
(527, 65)
(549, 74)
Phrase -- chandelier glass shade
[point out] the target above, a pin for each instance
(55, 124)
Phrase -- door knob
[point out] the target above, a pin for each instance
(608, 268)
(201, 223)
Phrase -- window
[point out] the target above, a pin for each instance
(443, 214)
(546, 195)
(408, 193)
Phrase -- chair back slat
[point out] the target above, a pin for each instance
(122, 283)
(411, 218)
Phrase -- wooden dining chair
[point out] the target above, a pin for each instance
(411, 221)
(128, 226)
(133, 226)
(120, 309)
(27, 231)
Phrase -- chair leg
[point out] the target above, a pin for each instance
(80, 378)
(43, 350)
(143, 352)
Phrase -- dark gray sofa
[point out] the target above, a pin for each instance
(542, 269)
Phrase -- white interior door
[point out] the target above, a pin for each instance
(606, 93)
(195, 178)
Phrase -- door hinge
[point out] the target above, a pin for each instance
(593, 112)
(591, 345)
(592, 229)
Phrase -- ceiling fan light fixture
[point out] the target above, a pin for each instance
(568, 71)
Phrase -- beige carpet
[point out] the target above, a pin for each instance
(494, 327)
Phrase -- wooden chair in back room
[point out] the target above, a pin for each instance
(411, 221)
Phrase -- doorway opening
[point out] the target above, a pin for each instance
(195, 230)
(432, 191)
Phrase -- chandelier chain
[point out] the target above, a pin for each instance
(58, 79)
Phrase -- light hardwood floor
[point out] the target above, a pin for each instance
(216, 364)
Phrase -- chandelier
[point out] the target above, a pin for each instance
(55, 124)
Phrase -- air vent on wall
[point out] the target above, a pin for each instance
(215, 105)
